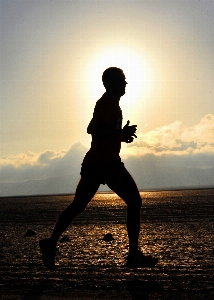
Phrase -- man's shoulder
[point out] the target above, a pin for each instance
(107, 102)
(106, 109)
(102, 101)
(102, 104)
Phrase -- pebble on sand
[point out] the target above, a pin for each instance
(108, 237)
(29, 233)
(65, 238)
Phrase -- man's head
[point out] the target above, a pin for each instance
(114, 81)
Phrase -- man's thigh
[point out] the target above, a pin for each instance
(86, 189)
(124, 186)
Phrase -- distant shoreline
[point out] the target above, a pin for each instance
(110, 192)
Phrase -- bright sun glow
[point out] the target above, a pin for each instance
(135, 67)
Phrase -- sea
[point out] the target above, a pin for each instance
(177, 227)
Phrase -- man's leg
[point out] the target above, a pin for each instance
(85, 191)
(125, 187)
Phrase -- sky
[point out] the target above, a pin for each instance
(53, 54)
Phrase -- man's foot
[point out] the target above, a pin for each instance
(48, 253)
(139, 260)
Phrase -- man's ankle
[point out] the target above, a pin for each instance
(53, 242)
(133, 252)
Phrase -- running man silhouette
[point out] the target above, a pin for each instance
(102, 165)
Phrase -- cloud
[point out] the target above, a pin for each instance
(171, 171)
(49, 156)
(31, 159)
(16, 161)
(173, 139)
(173, 156)
(32, 166)
(169, 156)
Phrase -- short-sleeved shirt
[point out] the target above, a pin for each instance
(104, 152)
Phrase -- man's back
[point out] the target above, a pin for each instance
(104, 152)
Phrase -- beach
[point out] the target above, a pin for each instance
(176, 227)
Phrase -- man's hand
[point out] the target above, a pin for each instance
(128, 133)
(129, 130)
(128, 140)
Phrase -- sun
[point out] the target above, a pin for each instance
(135, 67)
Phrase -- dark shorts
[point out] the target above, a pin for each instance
(101, 175)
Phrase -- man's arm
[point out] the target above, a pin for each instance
(102, 130)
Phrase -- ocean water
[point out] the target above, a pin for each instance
(176, 227)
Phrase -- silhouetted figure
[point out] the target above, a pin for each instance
(102, 165)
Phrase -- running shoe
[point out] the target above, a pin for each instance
(48, 253)
(139, 260)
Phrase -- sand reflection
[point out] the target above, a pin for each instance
(177, 227)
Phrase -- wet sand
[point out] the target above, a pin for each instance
(177, 227)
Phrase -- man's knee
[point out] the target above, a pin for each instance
(139, 202)
(135, 203)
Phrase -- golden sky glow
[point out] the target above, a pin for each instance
(53, 56)
(135, 67)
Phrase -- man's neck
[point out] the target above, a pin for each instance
(114, 97)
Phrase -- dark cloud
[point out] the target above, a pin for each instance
(167, 157)
(171, 171)
(47, 165)
(149, 171)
